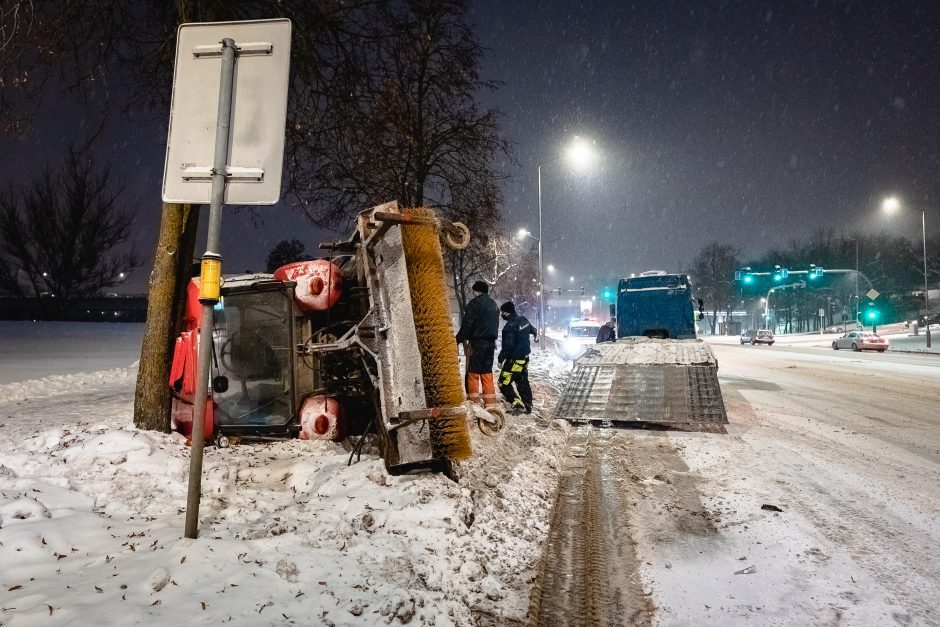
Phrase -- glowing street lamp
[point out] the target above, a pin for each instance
(580, 154)
(892, 205)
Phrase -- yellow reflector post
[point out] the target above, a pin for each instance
(210, 277)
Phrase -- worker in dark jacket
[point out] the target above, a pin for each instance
(478, 331)
(514, 359)
(607, 332)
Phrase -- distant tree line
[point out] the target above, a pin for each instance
(893, 265)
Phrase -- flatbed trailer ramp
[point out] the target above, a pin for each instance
(645, 382)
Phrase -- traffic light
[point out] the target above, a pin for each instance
(784, 273)
(872, 313)
(778, 276)
(748, 279)
(607, 294)
(814, 273)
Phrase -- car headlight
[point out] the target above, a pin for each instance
(571, 347)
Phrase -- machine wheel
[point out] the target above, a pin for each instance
(855, 347)
(494, 426)
(835, 346)
(457, 236)
(222, 442)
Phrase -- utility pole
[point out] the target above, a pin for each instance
(856, 279)
(923, 225)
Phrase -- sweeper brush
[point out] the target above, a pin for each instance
(440, 366)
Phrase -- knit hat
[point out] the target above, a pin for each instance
(481, 287)
(508, 307)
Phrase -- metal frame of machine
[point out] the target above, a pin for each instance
(363, 352)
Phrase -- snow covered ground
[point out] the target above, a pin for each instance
(33, 350)
(845, 445)
(91, 511)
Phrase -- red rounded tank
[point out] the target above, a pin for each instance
(319, 283)
(321, 418)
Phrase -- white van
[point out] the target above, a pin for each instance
(580, 335)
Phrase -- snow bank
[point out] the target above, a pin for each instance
(92, 509)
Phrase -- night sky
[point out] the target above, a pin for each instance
(749, 123)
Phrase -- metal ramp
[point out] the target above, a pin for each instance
(644, 381)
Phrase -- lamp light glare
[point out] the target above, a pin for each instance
(890, 204)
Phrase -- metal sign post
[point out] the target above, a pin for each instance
(247, 131)
(210, 277)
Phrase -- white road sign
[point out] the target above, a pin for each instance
(259, 112)
(872, 294)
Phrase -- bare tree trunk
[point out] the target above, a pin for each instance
(171, 271)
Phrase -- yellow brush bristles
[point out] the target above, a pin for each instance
(443, 385)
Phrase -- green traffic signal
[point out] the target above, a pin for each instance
(748, 278)
(608, 294)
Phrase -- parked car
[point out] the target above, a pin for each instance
(758, 336)
(923, 321)
(861, 341)
(842, 327)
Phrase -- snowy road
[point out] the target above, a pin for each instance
(890, 357)
(848, 447)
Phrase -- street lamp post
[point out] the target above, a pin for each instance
(541, 282)
(538, 240)
(890, 205)
(856, 282)
(579, 152)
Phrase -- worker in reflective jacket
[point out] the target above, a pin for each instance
(514, 359)
(478, 331)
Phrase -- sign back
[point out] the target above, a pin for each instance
(259, 112)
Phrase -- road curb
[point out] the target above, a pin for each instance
(930, 352)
